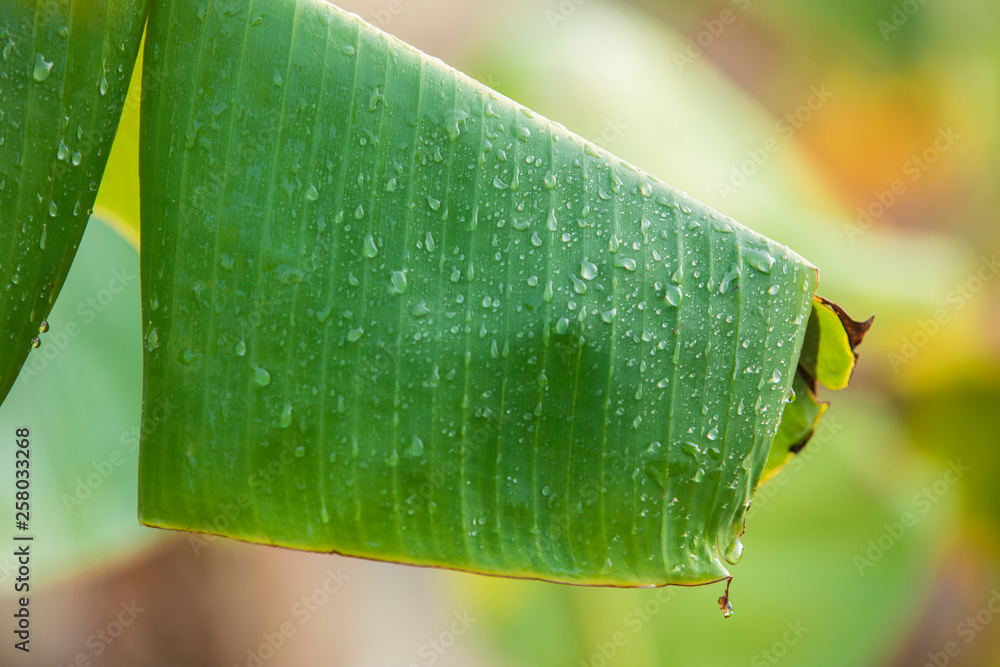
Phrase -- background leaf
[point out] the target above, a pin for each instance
(87, 377)
(64, 71)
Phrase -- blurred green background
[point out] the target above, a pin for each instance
(864, 134)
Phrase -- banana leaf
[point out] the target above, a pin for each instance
(64, 71)
(408, 319)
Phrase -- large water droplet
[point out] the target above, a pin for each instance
(260, 375)
(42, 68)
(674, 295)
(416, 448)
(758, 259)
(588, 270)
(152, 339)
(286, 416)
(734, 552)
(370, 249)
(355, 335)
(399, 282)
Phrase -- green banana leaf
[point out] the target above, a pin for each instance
(407, 319)
(64, 71)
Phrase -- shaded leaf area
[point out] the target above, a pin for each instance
(64, 71)
(408, 319)
(79, 395)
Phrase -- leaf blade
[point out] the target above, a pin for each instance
(440, 318)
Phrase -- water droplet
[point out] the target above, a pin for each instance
(773, 291)
(536, 240)
(260, 375)
(674, 295)
(312, 194)
(713, 434)
(42, 68)
(608, 316)
(758, 259)
(435, 204)
(588, 270)
(579, 286)
(776, 376)
(625, 263)
(726, 606)
(562, 326)
(429, 242)
(734, 553)
(188, 356)
(355, 335)
(662, 384)
(547, 294)
(104, 83)
(43, 326)
(416, 448)
(63, 151)
(286, 416)
(359, 212)
(36, 342)
(76, 158)
(53, 209)
(152, 339)
(240, 349)
(728, 279)
(370, 250)
(399, 282)
(420, 309)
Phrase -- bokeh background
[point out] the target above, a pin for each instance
(863, 133)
